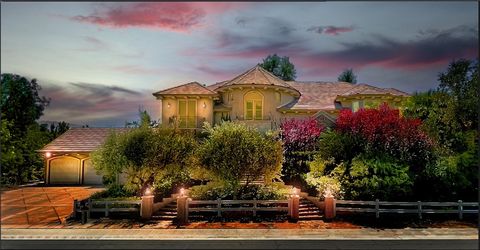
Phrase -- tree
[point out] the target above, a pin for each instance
(145, 120)
(234, 153)
(299, 137)
(21, 106)
(20, 102)
(347, 76)
(56, 131)
(280, 67)
(145, 155)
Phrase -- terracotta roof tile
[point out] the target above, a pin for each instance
(317, 95)
(258, 76)
(80, 140)
(191, 88)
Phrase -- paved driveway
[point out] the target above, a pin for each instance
(40, 206)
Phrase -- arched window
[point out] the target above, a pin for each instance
(253, 105)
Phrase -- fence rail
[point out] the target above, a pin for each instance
(220, 206)
(418, 207)
(106, 206)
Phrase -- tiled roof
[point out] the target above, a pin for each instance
(365, 89)
(214, 86)
(192, 88)
(322, 95)
(257, 76)
(80, 140)
(317, 95)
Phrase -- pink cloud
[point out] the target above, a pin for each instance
(173, 16)
(136, 70)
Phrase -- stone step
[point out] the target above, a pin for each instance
(311, 217)
(308, 213)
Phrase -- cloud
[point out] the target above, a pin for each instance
(172, 16)
(137, 70)
(95, 104)
(93, 44)
(330, 30)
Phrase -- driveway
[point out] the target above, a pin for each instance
(40, 206)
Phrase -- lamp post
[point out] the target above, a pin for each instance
(329, 205)
(294, 203)
(182, 207)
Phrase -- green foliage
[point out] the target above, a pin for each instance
(280, 67)
(377, 177)
(347, 76)
(113, 191)
(20, 135)
(218, 190)
(59, 129)
(20, 102)
(147, 156)
(234, 152)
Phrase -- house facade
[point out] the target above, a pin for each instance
(260, 99)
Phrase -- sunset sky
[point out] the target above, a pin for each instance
(98, 62)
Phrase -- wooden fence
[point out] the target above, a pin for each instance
(418, 207)
(106, 206)
(254, 206)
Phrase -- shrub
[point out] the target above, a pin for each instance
(217, 190)
(299, 137)
(234, 152)
(383, 130)
(377, 177)
(113, 191)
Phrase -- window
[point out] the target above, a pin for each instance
(187, 113)
(253, 106)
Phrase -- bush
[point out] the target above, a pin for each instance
(113, 191)
(299, 137)
(217, 190)
(234, 152)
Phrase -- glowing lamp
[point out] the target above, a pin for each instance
(294, 191)
(328, 193)
(168, 105)
(182, 192)
(148, 191)
(48, 154)
(204, 105)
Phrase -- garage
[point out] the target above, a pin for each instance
(64, 170)
(67, 157)
(90, 176)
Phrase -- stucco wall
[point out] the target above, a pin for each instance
(235, 99)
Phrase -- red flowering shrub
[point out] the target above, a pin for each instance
(299, 137)
(300, 134)
(384, 130)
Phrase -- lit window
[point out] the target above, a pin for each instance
(187, 113)
(253, 106)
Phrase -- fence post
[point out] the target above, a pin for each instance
(460, 209)
(106, 208)
(254, 206)
(295, 205)
(419, 203)
(182, 210)
(89, 208)
(75, 209)
(330, 207)
(289, 206)
(146, 207)
(219, 207)
(377, 208)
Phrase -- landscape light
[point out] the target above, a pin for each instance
(182, 192)
(148, 191)
(48, 154)
(328, 192)
(294, 191)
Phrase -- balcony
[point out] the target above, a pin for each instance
(187, 122)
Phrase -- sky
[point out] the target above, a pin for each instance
(100, 62)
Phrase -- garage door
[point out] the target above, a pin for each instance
(90, 176)
(64, 170)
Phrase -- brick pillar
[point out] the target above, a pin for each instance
(329, 207)
(146, 207)
(294, 207)
(182, 210)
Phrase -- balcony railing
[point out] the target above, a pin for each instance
(191, 122)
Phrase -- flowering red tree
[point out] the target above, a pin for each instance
(299, 137)
(301, 134)
(384, 130)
